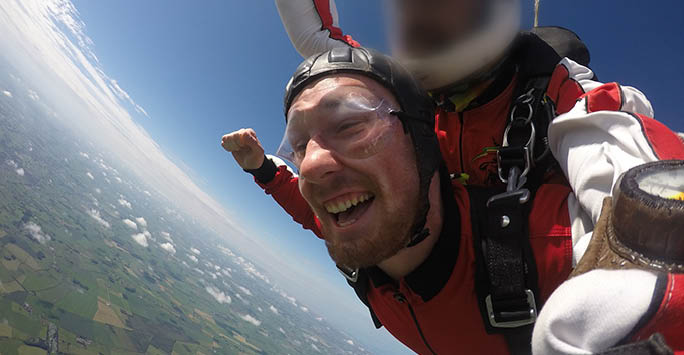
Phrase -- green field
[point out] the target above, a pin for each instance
(68, 259)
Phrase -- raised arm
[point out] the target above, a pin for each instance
(313, 25)
(271, 174)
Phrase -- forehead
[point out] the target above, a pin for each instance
(328, 92)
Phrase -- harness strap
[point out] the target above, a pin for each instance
(358, 279)
(655, 345)
(506, 274)
(505, 271)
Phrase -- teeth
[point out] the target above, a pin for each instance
(341, 206)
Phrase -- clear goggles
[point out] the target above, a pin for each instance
(354, 126)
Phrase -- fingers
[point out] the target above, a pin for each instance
(240, 139)
(248, 138)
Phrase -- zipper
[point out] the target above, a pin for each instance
(460, 141)
(402, 299)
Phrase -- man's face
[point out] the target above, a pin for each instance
(428, 26)
(367, 205)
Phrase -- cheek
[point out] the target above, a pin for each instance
(305, 190)
(400, 179)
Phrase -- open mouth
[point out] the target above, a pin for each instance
(346, 210)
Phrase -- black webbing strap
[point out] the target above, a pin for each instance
(505, 271)
(358, 279)
(655, 345)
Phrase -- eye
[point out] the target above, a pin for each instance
(299, 147)
(351, 126)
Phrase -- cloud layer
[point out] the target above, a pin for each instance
(37, 233)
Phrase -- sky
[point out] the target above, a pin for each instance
(174, 76)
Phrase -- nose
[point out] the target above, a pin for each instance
(318, 163)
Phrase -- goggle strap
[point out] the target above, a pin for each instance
(404, 117)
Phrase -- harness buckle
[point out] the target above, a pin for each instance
(513, 318)
(352, 275)
(520, 154)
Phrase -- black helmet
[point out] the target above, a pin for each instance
(417, 107)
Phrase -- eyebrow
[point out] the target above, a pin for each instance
(330, 103)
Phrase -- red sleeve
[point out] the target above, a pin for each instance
(285, 190)
(327, 13)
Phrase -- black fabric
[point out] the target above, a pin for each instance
(655, 345)
(361, 289)
(504, 266)
(430, 277)
(500, 83)
(265, 173)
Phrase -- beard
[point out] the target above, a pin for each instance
(386, 238)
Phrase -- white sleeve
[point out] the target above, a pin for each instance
(312, 25)
(593, 312)
(601, 137)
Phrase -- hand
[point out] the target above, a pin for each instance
(245, 147)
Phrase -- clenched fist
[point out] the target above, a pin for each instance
(246, 149)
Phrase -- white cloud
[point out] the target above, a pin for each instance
(130, 223)
(125, 203)
(280, 329)
(12, 163)
(97, 190)
(95, 214)
(45, 42)
(350, 342)
(250, 319)
(245, 290)
(168, 247)
(167, 236)
(147, 193)
(315, 347)
(37, 233)
(289, 298)
(7, 93)
(304, 309)
(141, 221)
(140, 239)
(196, 251)
(90, 176)
(273, 309)
(85, 155)
(33, 95)
(320, 319)
(219, 295)
(20, 171)
(192, 257)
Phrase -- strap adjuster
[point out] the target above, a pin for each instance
(514, 318)
(352, 275)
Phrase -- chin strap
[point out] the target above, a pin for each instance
(418, 237)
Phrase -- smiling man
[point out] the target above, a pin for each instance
(439, 265)
(361, 134)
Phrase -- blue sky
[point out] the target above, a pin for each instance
(212, 67)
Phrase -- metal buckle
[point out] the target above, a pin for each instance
(526, 170)
(524, 99)
(350, 274)
(528, 149)
(532, 305)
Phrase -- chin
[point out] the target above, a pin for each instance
(365, 250)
